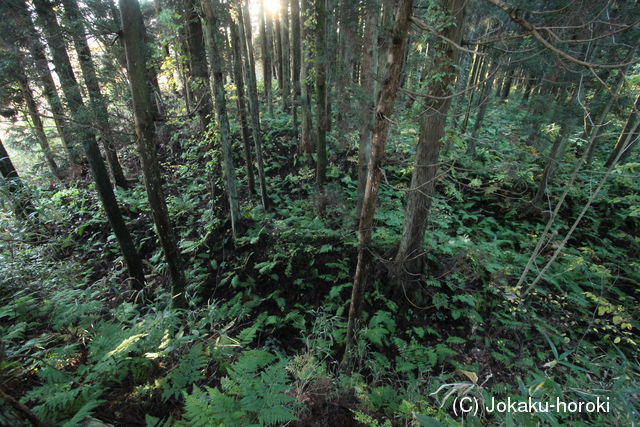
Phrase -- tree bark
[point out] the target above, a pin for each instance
(265, 30)
(476, 70)
(331, 56)
(508, 82)
(385, 32)
(242, 108)
(278, 59)
(296, 53)
(331, 61)
(383, 113)
(462, 86)
(408, 260)
(134, 36)
(321, 92)
(98, 104)
(500, 82)
(198, 64)
(348, 27)
(286, 56)
(152, 68)
(244, 27)
(369, 67)
(213, 44)
(307, 141)
(482, 110)
(630, 133)
(631, 141)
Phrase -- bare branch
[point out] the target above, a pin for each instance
(535, 32)
(453, 95)
(424, 26)
(601, 36)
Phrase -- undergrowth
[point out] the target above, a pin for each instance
(261, 341)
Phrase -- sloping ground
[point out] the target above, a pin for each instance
(262, 340)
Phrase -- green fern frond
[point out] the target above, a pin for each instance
(255, 391)
(83, 412)
(188, 371)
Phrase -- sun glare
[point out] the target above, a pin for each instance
(272, 6)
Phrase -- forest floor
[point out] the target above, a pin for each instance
(262, 339)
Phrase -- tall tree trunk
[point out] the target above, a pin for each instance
(462, 86)
(274, 40)
(348, 27)
(406, 74)
(482, 110)
(629, 136)
(499, 84)
(98, 105)
(383, 114)
(183, 70)
(286, 56)
(198, 63)
(244, 27)
(242, 108)
(553, 161)
(182, 66)
(214, 42)
(508, 82)
(225, 52)
(81, 115)
(368, 77)
(156, 94)
(265, 32)
(277, 37)
(296, 53)
(594, 131)
(134, 36)
(630, 142)
(19, 13)
(330, 55)
(477, 70)
(22, 206)
(119, 45)
(57, 111)
(528, 87)
(321, 92)
(36, 122)
(307, 141)
(408, 260)
(385, 33)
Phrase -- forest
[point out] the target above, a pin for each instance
(319, 213)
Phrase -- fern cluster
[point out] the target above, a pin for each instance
(254, 392)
